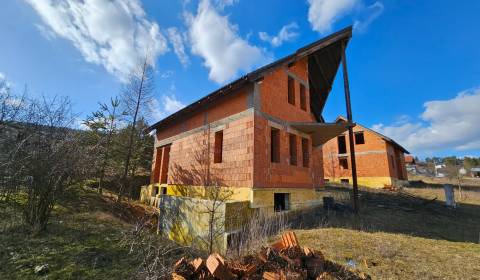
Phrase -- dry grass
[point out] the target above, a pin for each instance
(396, 256)
(397, 236)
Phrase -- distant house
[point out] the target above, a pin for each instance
(475, 172)
(380, 160)
(410, 164)
(440, 170)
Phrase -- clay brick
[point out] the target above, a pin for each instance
(274, 276)
(308, 252)
(216, 265)
(289, 239)
(197, 264)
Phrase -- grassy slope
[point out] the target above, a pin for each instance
(82, 241)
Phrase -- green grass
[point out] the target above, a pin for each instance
(83, 241)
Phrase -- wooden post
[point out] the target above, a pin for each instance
(350, 130)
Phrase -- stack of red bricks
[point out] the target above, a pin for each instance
(285, 259)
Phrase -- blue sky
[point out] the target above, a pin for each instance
(414, 66)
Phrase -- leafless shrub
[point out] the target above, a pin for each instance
(155, 255)
(41, 156)
(256, 233)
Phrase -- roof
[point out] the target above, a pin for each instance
(321, 76)
(388, 139)
(475, 169)
(409, 159)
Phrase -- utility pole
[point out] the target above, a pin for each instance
(350, 130)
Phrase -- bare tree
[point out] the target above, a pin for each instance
(136, 98)
(452, 170)
(104, 126)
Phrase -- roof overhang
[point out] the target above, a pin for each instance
(324, 57)
(321, 132)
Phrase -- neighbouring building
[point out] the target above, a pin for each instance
(258, 139)
(475, 172)
(411, 164)
(379, 159)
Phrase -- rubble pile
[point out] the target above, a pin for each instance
(283, 260)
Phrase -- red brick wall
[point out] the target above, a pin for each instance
(234, 103)
(191, 158)
(282, 174)
(372, 158)
(274, 94)
(274, 103)
(246, 141)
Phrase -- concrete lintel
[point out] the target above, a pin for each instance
(296, 77)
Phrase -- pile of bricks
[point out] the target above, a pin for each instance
(285, 259)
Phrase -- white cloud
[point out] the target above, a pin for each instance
(286, 34)
(167, 105)
(166, 74)
(217, 41)
(447, 124)
(5, 84)
(177, 41)
(221, 4)
(323, 14)
(115, 33)
(369, 14)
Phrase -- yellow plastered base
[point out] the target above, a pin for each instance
(371, 182)
(187, 221)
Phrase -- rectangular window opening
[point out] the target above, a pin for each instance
(291, 90)
(305, 152)
(344, 181)
(342, 144)
(343, 162)
(163, 190)
(281, 202)
(275, 145)
(303, 98)
(293, 149)
(218, 147)
(359, 138)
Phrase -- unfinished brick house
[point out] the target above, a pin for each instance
(258, 138)
(380, 161)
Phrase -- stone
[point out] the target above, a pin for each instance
(41, 269)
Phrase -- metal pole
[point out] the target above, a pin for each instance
(350, 130)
